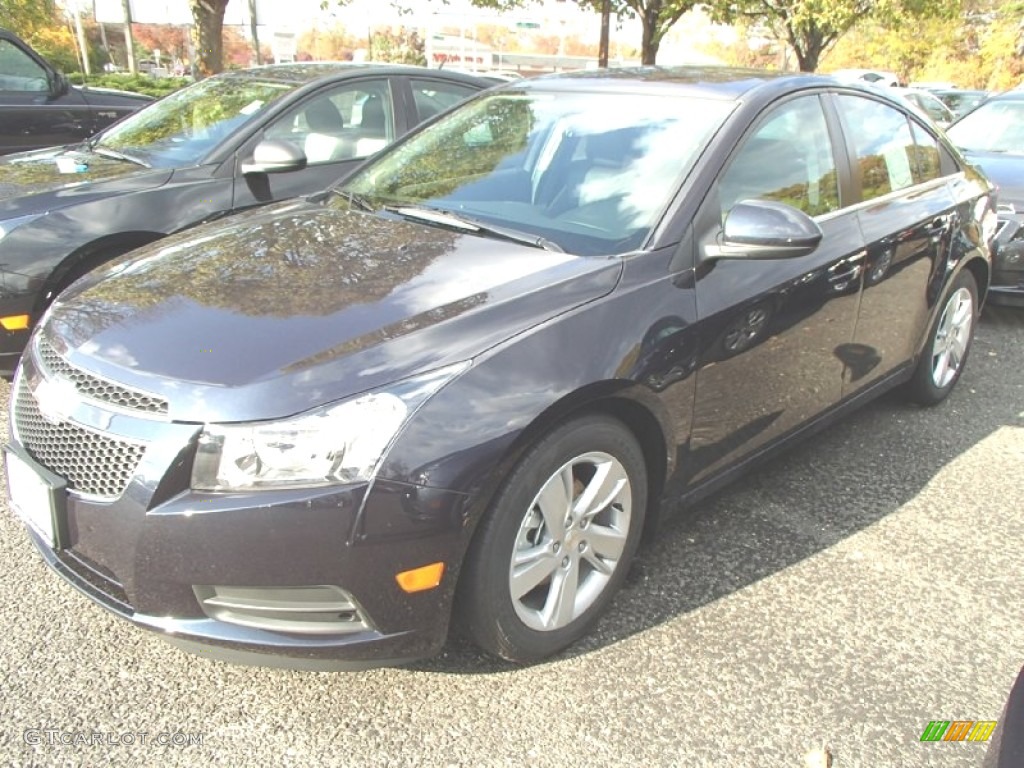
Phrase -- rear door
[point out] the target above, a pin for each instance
(772, 330)
(907, 218)
(432, 95)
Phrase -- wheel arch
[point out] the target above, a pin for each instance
(639, 410)
(982, 272)
(89, 256)
(635, 406)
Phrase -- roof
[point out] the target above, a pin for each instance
(728, 82)
(300, 73)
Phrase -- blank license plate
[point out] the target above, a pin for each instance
(33, 497)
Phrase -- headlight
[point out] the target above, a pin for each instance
(340, 443)
(8, 225)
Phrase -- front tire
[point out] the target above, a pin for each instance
(557, 542)
(949, 341)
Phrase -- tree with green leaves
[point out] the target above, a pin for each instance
(812, 27)
(23, 17)
(656, 18)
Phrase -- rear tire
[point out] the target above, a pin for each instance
(557, 542)
(949, 341)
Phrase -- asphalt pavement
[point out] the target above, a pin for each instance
(856, 588)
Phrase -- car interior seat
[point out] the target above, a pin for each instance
(372, 128)
(325, 141)
(596, 175)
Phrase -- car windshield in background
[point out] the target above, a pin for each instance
(961, 102)
(995, 126)
(182, 128)
(587, 173)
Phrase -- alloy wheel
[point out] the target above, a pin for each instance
(952, 337)
(570, 541)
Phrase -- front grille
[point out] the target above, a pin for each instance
(90, 463)
(94, 387)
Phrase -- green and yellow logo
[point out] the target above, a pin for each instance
(958, 730)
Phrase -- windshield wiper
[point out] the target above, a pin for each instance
(107, 152)
(459, 221)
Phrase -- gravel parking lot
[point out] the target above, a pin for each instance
(849, 592)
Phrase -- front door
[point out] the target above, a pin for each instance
(336, 128)
(772, 331)
(31, 116)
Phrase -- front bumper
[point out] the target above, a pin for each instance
(157, 551)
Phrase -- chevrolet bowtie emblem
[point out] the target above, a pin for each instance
(55, 399)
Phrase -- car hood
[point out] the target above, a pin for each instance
(292, 306)
(1003, 170)
(48, 179)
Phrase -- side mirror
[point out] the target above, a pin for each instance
(275, 156)
(59, 84)
(763, 229)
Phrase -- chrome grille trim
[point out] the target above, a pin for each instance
(92, 464)
(93, 387)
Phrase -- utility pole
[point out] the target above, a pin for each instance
(602, 54)
(255, 34)
(81, 39)
(129, 42)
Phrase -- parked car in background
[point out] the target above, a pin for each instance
(462, 383)
(870, 76)
(221, 145)
(992, 137)
(39, 108)
(933, 85)
(930, 104)
(961, 101)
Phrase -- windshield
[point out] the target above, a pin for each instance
(588, 172)
(181, 128)
(995, 126)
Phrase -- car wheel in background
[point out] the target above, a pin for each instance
(557, 541)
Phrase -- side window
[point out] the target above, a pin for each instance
(885, 148)
(18, 72)
(347, 122)
(435, 96)
(788, 158)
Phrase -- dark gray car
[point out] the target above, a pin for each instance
(222, 145)
(40, 108)
(992, 138)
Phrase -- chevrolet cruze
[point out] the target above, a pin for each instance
(459, 388)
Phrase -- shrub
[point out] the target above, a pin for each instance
(150, 86)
